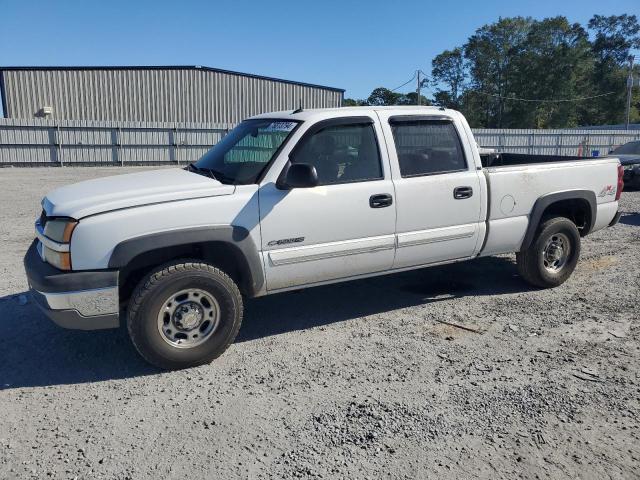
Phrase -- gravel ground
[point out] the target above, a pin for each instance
(357, 380)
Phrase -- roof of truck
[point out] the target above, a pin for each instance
(320, 113)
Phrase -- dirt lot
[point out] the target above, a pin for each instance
(351, 381)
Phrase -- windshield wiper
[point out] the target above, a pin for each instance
(221, 177)
(216, 175)
(194, 168)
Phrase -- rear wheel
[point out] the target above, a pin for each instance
(184, 314)
(553, 255)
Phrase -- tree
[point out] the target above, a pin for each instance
(555, 63)
(520, 72)
(524, 73)
(411, 98)
(351, 102)
(615, 37)
(448, 70)
(383, 96)
(490, 52)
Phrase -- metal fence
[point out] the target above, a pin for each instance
(84, 143)
(39, 142)
(554, 142)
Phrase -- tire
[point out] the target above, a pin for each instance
(543, 270)
(201, 315)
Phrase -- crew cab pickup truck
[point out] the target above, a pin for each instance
(290, 200)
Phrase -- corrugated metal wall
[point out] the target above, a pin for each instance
(41, 143)
(38, 142)
(554, 142)
(156, 95)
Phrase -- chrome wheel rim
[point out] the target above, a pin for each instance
(556, 252)
(188, 318)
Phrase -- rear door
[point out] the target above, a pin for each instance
(345, 226)
(438, 191)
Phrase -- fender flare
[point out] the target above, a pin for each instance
(237, 237)
(545, 201)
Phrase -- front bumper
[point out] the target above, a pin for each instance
(84, 300)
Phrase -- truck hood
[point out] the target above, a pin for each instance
(132, 190)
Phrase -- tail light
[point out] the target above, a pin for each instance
(620, 182)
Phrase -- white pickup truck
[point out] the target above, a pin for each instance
(296, 199)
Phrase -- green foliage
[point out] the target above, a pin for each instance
(351, 102)
(505, 63)
(500, 75)
(411, 98)
(448, 70)
(383, 96)
(491, 55)
(615, 36)
(517, 59)
(555, 62)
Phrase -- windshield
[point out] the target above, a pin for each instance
(631, 148)
(243, 154)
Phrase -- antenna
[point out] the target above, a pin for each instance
(299, 109)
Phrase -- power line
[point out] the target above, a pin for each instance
(560, 100)
(405, 83)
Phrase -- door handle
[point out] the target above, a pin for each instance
(380, 200)
(460, 193)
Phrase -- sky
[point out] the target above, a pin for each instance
(355, 45)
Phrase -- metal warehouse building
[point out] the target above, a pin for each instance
(152, 94)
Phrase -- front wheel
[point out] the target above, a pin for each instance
(184, 314)
(552, 256)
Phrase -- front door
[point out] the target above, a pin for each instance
(438, 190)
(342, 228)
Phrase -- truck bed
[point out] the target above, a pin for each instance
(509, 159)
(514, 189)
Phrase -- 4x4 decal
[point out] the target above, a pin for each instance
(607, 190)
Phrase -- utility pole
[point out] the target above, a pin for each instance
(629, 90)
(418, 87)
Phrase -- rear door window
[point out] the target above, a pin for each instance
(427, 147)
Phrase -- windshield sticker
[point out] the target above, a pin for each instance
(279, 127)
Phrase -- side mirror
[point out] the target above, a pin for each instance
(299, 175)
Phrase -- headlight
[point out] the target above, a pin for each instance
(61, 260)
(60, 230)
(55, 238)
